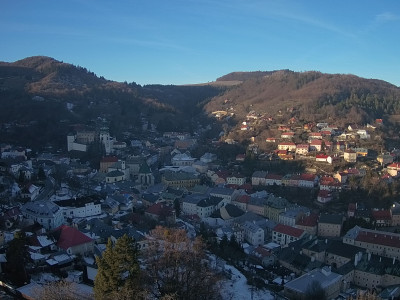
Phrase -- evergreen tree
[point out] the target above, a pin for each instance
(118, 275)
(17, 258)
(41, 174)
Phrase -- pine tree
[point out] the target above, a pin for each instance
(118, 275)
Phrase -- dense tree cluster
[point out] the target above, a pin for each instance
(172, 267)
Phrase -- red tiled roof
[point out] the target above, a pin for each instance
(109, 159)
(70, 236)
(316, 142)
(243, 199)
(324, 194)
(159, 209)
(321, 156)
(309, 221)
(289, 230)
(262, 252)
(274, 176)
(302, 146)
(381, 214)
(315, 134)
(394, 166)
(309, 177)
(378, 239)
(352, 207)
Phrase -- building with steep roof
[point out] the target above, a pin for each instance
(107, 162)
(258, 178)
(72, 240)
(145, 176)
(284, 234)
(377, 242)
(330, 225)
(253, 233)
(46, 213)
(274, 206)
(161, 212)
(329, 281)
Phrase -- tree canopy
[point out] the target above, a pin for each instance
(118, 274)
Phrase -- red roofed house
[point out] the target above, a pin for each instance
(287, 146)
(382, 217)
(240, 157)
(316, 145)
(161, 212)
(270, 140)
(315, 135)
(393, 169)
(351, 210)
(302, 149)
(284, 234)
(382, 243)
(287, 135)
(308, 223)
(328, 183)
(107, 162)
(264, 256)
(272, 179)
(72, 240)
(242, 201)
(323, 158)
(308, 180)
(324, 196)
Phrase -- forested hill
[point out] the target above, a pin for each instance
(309, 96)
(42, 95)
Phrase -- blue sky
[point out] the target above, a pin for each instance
(194, 41)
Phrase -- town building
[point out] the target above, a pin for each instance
(330, 225)
(46, 213)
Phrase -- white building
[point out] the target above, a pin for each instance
(253, 233)
(183, 159)
(284, 234)
(46, 213)
(80, 208)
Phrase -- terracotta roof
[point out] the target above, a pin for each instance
(70, 237)
(381, 214)
(394, 166)
(352, 207)
(309, 221)
(302, 146)
(287, 144)
(315, 134)
(159, 209)
(274, 176)
(109, 159)
(288, 230)
(243, 199)
(321, 156)
(324, 193)
(309, 177)
(378, 238)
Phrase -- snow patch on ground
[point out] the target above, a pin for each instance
(238, 289)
